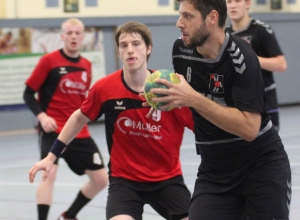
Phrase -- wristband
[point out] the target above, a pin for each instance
(57, 148)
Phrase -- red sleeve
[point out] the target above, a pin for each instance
(92, 104)
(39, 74)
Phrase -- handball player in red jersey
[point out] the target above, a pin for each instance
(61, 79)
(144, 166)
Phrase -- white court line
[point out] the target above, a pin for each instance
(78, 184)
(17, 132)
(194, 163)
(286, 146)
(197, 163)
(293, 187)
(289, 135)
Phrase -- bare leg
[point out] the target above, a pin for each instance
(45, 189)
(98, 181)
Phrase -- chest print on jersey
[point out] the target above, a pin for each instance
(119, 105)
(216, 83)
(68, 86)
(63, 70)
(136, 127)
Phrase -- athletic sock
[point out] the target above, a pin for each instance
(43, 211)
(77, 205)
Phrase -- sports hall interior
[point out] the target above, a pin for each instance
(18, 138)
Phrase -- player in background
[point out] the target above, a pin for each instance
(263, 41)
(61, 79)
(144, 166)
(244, 171)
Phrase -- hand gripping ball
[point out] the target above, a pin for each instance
(150, 83)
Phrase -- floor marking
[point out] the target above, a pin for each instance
(293, 187)
(17, 132)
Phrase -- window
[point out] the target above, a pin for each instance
(261, 2)
(176, 5)
(276, 4)
(291, 2)
(163, 2)
(51, 3)
(91, 3)
(71, 5)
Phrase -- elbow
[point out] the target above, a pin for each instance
(251, 134)
(250, 138)
(252, 126)
(282, 68)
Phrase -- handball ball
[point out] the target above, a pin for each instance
(150, 83)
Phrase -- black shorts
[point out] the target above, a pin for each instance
(169, 198)
(80, 154)
(261, 190)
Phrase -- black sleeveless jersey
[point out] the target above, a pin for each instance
(233, 79)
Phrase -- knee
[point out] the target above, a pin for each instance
(101, 180)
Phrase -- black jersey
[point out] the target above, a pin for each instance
(233, 79)
(263, 41)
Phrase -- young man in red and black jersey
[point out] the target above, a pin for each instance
(62, 79)
(263, 41)
(244, 172)
(144, 165)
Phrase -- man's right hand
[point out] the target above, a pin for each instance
(46, 164)
(48, 124)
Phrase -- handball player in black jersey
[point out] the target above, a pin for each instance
(144, 166)
(244, 172)
(61, 79)
(263, 41)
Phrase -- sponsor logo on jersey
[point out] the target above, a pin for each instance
(72, 87)
(138, 128)
(216, 83)
(185, 50)
(63, 70)
(119, 105)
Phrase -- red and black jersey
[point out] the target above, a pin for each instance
(263, 41)
(62, 84)
(141, 149)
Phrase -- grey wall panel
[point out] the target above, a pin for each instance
(109, 49)
(288, 82)
(17, 120)
(163, 39)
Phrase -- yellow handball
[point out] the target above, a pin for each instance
(150, 83)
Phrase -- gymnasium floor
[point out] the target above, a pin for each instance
(19, 151)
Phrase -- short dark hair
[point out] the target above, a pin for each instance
(206, 6)
(135, 27)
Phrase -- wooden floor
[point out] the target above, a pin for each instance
(19, 151)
